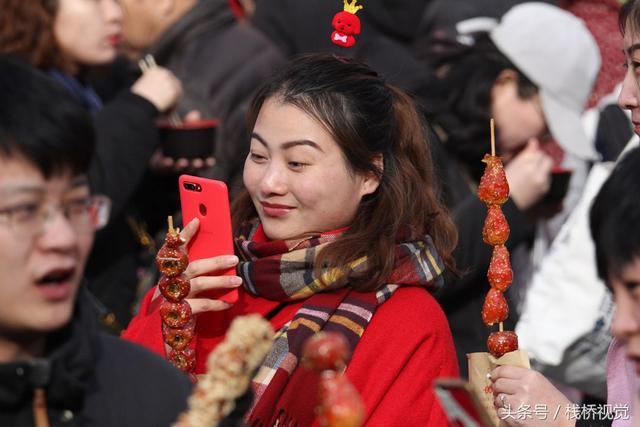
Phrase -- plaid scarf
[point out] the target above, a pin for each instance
(284, 271)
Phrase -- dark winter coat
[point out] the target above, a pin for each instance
(93, 379)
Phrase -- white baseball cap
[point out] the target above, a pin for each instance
(556, 51)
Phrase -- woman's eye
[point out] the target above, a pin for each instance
(297, 165)
(257, 157)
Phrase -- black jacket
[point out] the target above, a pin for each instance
(126, 138)
(93, 379)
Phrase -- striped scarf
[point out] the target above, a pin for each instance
(284, 271)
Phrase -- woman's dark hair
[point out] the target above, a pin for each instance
(460, 104)
(26, 31)
(614, 218)
(367, 118)
(39, 121)
(629, 16)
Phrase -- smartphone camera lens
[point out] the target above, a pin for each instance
(192, 187)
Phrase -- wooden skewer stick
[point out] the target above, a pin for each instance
(501, 327)
(493, 137)
(170, 221)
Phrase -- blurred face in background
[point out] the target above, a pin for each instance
(88, 31)
(626, 319)
(630, 94)
(517, 119)
(145, 20)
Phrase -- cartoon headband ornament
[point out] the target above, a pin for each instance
(346, 24)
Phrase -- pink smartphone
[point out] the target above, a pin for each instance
(208, 200)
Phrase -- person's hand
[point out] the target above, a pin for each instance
(518, 389)
(196, 271)
(159, 86)
(529, 175)
(161, 163)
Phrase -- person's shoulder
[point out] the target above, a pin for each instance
(133, 387)
(140, 362)
(415, 309)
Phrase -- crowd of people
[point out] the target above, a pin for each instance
(353, 175)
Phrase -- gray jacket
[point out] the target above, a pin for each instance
(220, 62)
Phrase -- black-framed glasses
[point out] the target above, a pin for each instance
(84, 214)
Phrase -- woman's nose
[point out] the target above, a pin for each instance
(628, 98)
(274, 181)
(112, 11)
(625, 322)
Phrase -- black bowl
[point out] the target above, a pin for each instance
(190, 140)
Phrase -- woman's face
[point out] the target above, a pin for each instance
(297, 175)
(630, 95)
(88, 31)
(626, 319)
(517, 119)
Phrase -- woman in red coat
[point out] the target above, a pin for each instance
(339, 230)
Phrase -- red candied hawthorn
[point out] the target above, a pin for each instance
(503, 342)
(493, 188)
(175, 314)
(496, 229)
(500, 274)
(325, 350)
(495, 308)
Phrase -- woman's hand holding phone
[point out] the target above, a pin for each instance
(197, 272)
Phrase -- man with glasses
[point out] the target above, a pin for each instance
(56, 368)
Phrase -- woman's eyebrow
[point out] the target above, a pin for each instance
(289, 144)
(632, 49)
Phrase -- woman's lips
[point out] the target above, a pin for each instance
(275, 210)
(114, 39)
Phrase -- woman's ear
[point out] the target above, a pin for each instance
(371, 180)
(506, 76)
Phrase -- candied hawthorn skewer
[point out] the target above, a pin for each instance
(494, 191)
(178, 323)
